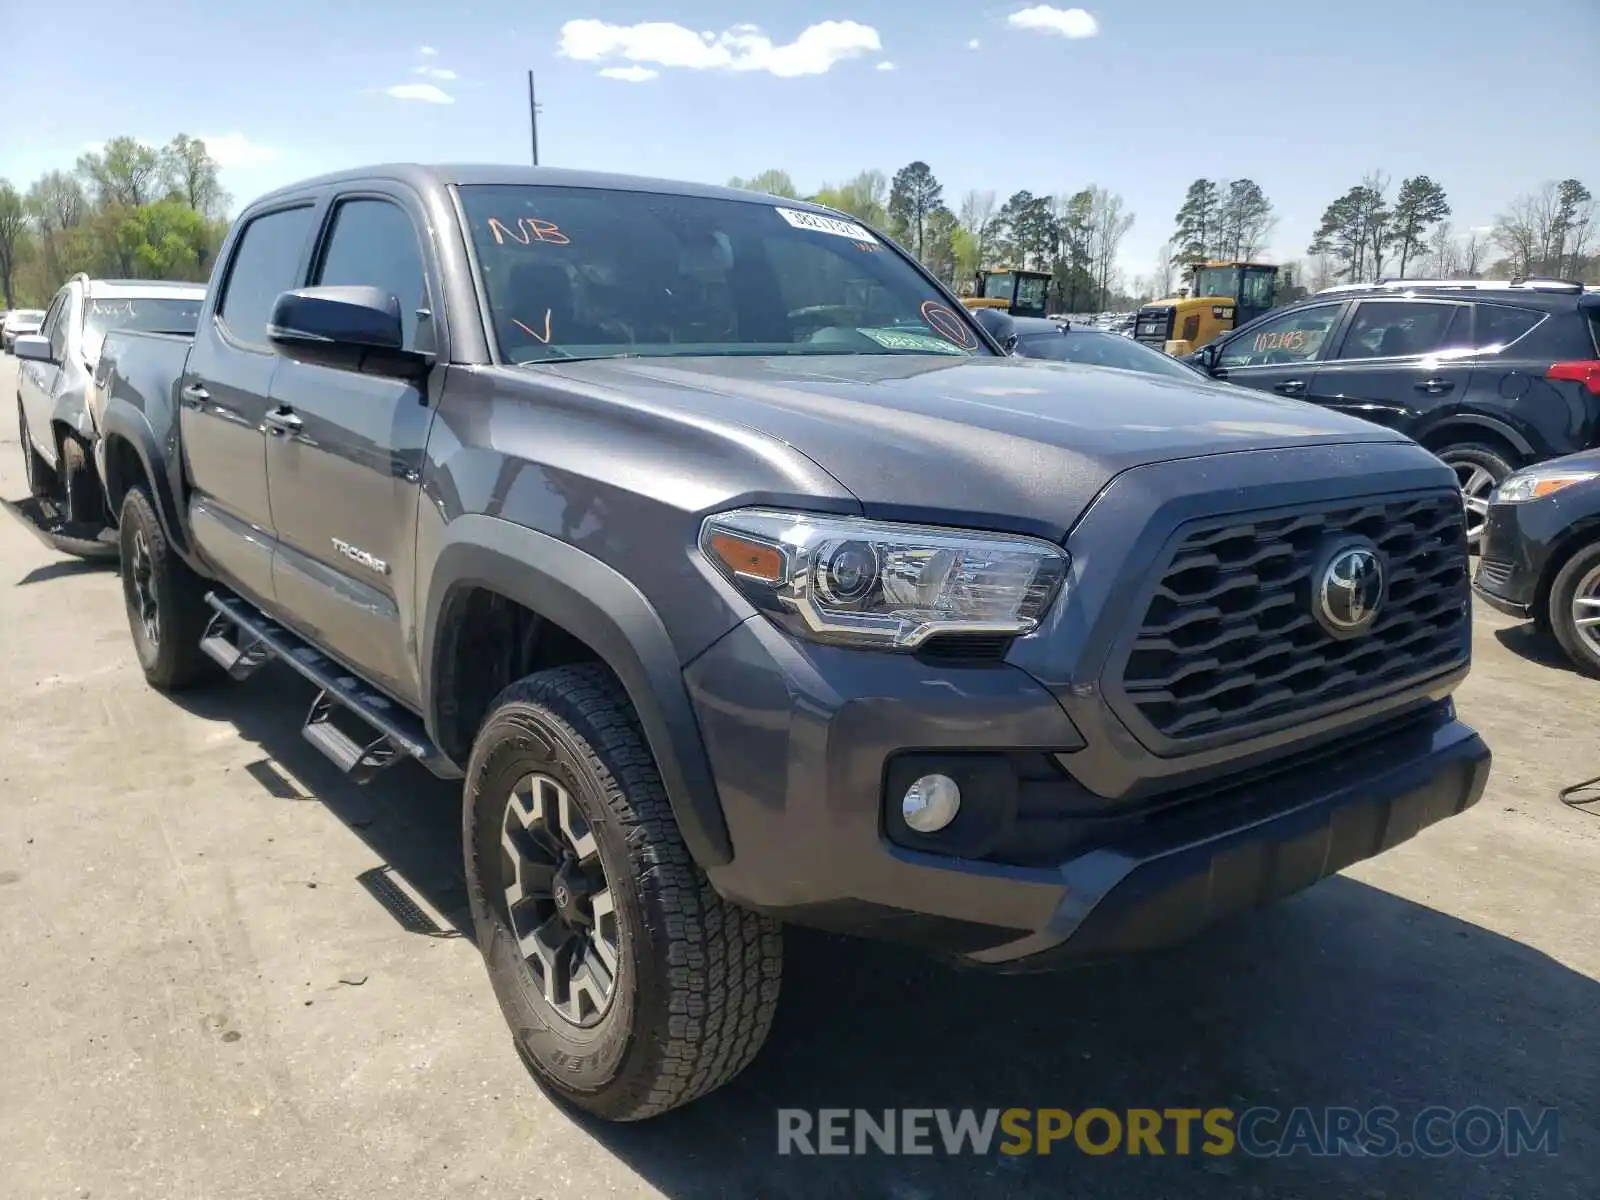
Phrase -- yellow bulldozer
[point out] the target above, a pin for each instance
(1020, 293)
(1221, 296)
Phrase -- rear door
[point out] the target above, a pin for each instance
(1399, 361)
(223, 398)
(1281, 354)
(345, 460)
(37, 381)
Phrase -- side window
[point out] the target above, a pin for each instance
(1500, 325)
(374, 243)
(265, 265)
(1399, 328)
(1295, 337)
(55, 323)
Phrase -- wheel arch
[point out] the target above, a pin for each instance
(1581, 535)
(597, 606)
(1471, 428)
(133, 457)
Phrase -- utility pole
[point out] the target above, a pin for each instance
(533, 119)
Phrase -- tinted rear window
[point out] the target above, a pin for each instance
(1500, 324)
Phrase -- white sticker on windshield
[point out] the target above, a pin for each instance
(820, 224)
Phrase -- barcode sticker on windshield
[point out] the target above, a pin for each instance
(820, 224)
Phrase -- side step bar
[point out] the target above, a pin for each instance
(240, 639)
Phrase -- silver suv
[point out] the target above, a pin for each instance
(57, 365)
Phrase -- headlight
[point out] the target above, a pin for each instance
(1535, 484)
(878, 583)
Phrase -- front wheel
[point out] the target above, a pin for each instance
(1479, 470)
(1574, 609)
(630, 986)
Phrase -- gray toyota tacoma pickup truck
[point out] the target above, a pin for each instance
(745, 580)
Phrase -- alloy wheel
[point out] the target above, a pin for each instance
(1586, 609)
(1476, 484)
(558, 901)
(141, 572)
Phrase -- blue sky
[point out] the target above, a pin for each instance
(1140, 96)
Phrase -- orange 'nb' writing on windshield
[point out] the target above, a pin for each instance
(545, 340)
(527, 230)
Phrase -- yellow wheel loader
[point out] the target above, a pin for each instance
(1221, 296)
(1020, 293)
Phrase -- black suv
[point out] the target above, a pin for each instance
(1489, 375)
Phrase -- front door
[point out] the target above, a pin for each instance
(1399, 362)
(344, 458)
(37, 381)
(1282, 354)
(223, 400)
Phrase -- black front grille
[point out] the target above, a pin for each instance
(1229, 640)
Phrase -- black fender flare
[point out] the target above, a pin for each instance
(125, 422)
(1500, 429)
(602, 608)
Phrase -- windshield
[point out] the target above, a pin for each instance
(592, 273)
(27, 316)
(1258, 289)
(148, 314)
(1104, 350)
(1216, 281)
(997, 286)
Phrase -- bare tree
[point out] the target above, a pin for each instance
(1322, 271)
(1161, 280)
(977, 218)
(1522, 231)
(1444, 255)
(1472, 251)
(1108, 225)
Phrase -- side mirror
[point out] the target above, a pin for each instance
(354, 328)
(1206, 357)
(32, 346)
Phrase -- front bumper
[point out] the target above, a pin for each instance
(1513, 553)
(803, 740)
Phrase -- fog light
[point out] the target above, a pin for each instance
(931, 803)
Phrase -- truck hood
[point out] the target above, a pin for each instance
(1010, 442)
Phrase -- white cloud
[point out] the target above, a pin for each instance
(974, 44)
(741, 48)
(1065, 22)
(236, 150)
(436, 72)
(420, 91)
(885, 65)
(426, 51)
(630, 74)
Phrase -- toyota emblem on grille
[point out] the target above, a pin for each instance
(1350, 591)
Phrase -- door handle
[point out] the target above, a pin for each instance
(194, 395)
(1434, 387)
(281, 421)
(1290, 387)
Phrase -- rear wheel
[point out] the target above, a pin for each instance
(1479, 470)
(167, 612)
(1574, 609)
(630, 986)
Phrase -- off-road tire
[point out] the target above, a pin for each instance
(174, 661)
(81, 496)
(697, 978)
(1559, 610)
